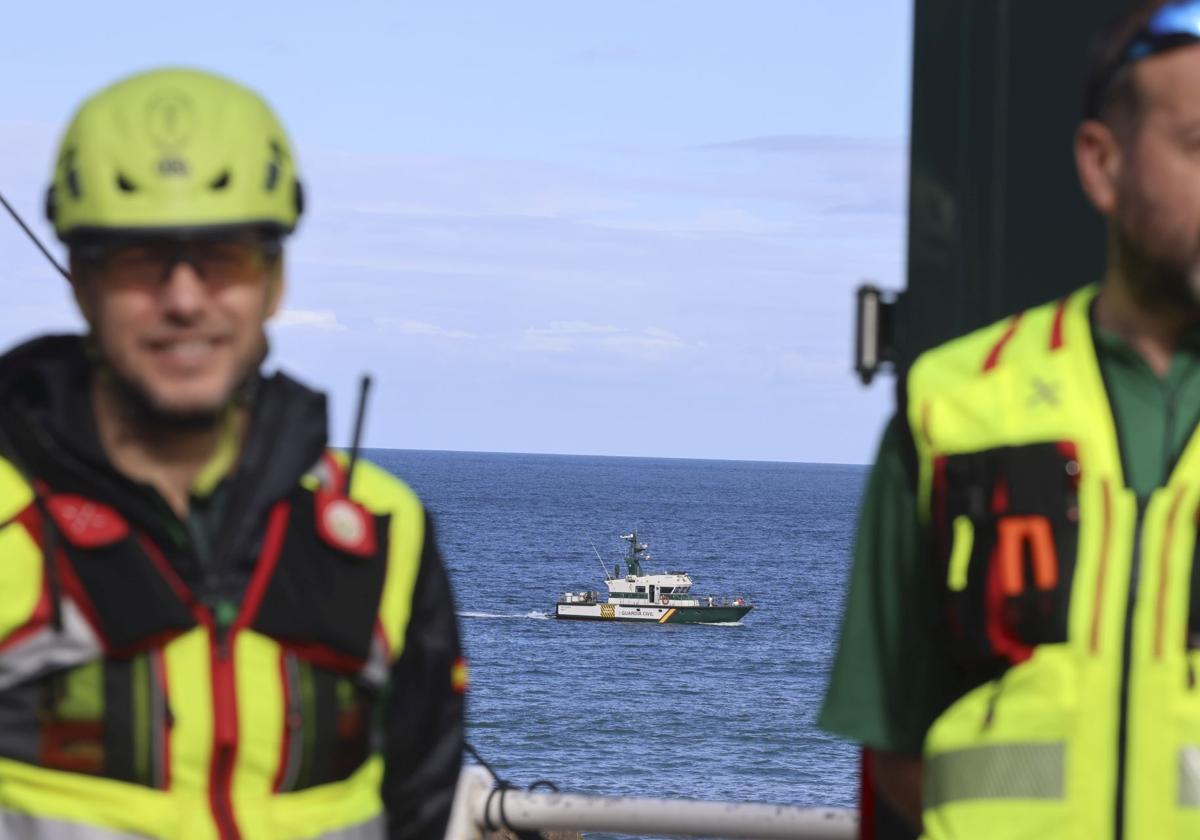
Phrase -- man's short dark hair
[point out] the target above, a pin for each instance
(1111, 95)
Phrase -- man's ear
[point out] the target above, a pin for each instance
(1098, 160)
(275, 286)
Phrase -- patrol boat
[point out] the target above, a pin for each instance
(661, 599)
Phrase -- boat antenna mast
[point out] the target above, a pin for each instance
(633, 559)
(601, 559)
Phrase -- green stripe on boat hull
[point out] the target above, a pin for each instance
(707, 615)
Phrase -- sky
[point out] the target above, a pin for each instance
(630, 227)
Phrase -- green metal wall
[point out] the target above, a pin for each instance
(997, 221)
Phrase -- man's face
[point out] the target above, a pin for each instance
(180, 323)
(1156, 209)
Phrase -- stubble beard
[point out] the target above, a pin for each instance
(1161, 272)
(143, 411)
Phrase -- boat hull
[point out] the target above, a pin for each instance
(652, 614)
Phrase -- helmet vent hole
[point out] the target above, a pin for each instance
(220, 182)
(124, 184)
(274, 166)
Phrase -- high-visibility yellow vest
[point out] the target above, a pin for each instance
(1078, 606)
(128, 710)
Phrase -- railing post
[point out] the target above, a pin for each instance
(477, 805)
(474, 784)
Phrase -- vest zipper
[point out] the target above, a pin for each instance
(1135, 570)
(225, 730)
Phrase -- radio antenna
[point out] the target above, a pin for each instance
(364, 386)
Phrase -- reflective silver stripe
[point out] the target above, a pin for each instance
(294, 724)
(27, 827)
(1189, 777)
(48, 650)
(372, 829)
(379, 663)
(996, 771)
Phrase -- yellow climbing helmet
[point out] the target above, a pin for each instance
(173, 150)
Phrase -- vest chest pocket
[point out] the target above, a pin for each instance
(323, 597)
(333, 723)
(1005, 537)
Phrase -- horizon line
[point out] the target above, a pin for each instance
(596, 455)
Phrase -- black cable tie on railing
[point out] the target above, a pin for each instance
(483, 761)
(502, 788)
(488, 825)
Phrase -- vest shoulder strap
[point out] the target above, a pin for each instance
(971, 378)
(383, 494)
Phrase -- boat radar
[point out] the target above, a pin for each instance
(664, 598)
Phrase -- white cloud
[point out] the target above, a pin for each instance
(581, 336)
(422, 328)
(324, 320)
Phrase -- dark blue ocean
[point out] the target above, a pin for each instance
(694, 711)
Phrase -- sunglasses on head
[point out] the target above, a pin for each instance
(1174, 25)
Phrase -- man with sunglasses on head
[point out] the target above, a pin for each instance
(211, 624)
(1020, 654)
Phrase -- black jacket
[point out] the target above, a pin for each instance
(47, 429)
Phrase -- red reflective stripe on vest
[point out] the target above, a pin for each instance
(225, 734)
(73, 587)
(993, 358)
(324, 656)
(160, 674)
(1163, 564)
(224, 676)
(277, 523)
(1056, 333)
(164, 568)
(285, 740)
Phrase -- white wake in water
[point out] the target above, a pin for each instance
(536, 615)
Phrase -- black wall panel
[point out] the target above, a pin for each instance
(997, 221)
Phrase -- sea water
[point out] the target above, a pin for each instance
(673, 710)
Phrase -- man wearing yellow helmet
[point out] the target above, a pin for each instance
(211, 625)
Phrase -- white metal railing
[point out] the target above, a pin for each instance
(480, 806)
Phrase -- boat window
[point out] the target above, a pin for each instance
(666, 590)
(641, 589)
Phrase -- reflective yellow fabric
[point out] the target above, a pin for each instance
(260, 722)
(184, 811)
(21, 571)
(324, 809)
(1067, 696)
(15, 493)
(189, 687)
(94, 801)
(20, 578)
(380, 492)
